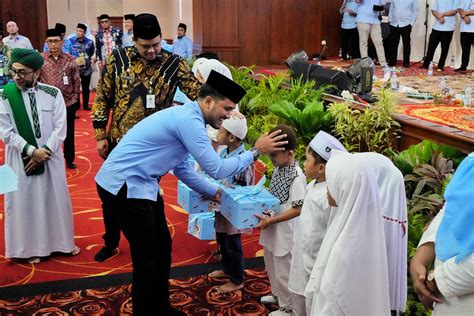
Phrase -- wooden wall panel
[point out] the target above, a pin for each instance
(267, 31)
(29, 15)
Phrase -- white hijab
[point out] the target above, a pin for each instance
(394, 218)
(350, 272)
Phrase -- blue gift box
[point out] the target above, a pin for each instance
(193, 202)
(201, 226)
(240, 204)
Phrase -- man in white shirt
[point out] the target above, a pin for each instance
(15, 40)
(402, 16)
(444, 12)
(466, 11)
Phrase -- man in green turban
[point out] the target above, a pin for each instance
(38, 216)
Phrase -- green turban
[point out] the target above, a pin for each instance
(27, 57)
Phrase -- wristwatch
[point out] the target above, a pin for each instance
(255, 153)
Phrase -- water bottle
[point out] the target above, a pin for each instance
(442, 84)
(430, 69)
(394, 80)
(467, 96)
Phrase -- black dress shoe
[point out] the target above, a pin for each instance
(423, 67)
(406, 65)
(71, 165)
(460, 69)
(104, 254)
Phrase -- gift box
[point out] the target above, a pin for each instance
(240, 204)
(201, 226)
(193, 202)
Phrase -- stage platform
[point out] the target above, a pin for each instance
(419, 118)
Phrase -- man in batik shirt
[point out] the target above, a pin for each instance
(60, 70)
(136, 82)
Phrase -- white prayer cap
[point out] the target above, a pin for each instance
(198, 63)
(213, 64)
(236, 125)
(323, 143)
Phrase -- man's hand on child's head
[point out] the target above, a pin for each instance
(269, 143)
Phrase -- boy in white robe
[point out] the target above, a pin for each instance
(38, 217)
(288, 185)
(350, 275)
(314, 219)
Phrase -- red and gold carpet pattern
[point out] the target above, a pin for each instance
(89, 227)
(454, 116)
(197, 296)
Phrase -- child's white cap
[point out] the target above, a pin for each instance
(236, 125)
(323, 143)
(207, 66)
(197, 64)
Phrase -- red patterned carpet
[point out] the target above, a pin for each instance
(455, 116)
(197, 296)
(187, 250)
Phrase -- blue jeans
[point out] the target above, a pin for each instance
(232, 256)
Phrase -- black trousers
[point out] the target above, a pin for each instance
(85, 83)
(394, 39)
(350, 43)
(69, 146)
(232, 256)
(111, 235)
(436, 37)
(467, 39)
(143, 223)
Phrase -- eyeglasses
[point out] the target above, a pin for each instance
(53, 41)
(20, 73)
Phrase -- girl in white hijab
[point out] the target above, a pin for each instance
(394, 218)
(350, 276)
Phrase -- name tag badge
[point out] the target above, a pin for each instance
(150, 101)
(65, 80)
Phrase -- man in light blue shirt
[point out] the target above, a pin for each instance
(127, 181)
(402, 16)
(15, 40)
(127, 39)
(368, 24)
(444, 12)
(182, 45)
(466, 11)
(349, 33)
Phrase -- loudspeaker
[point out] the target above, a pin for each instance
(301, 68)
(360, 73)
(325, 76)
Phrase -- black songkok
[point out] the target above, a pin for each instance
(53, 32)
(82, 26)
(225, 86)
(129, 16)
(146, 26)
(184, 26)
(104, 17)
(61, 28)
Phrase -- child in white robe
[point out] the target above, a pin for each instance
(288, 185)
(314, 219)
(350, 275)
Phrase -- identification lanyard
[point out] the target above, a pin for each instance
(65, 78)
(150, 97)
